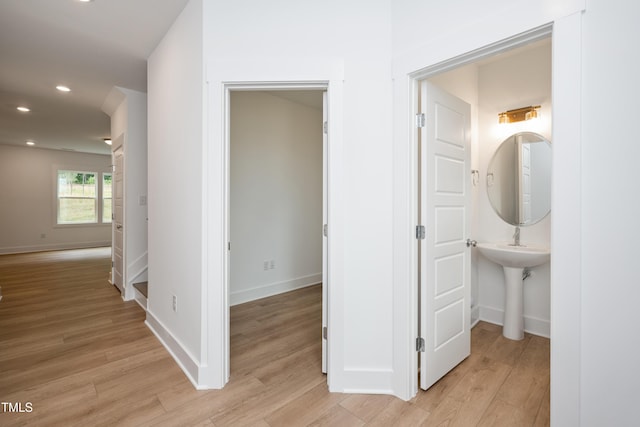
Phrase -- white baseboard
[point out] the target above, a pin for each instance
(367, 381)
(532, 325)
(182, 357)
(271, 289)
(52, 247)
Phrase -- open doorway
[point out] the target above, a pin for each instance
(276, 264)
(499, 79)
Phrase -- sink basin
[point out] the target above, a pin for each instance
(514, 260)
(507, 255)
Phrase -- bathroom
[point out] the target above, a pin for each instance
(517, 78)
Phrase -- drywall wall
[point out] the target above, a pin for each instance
(28, 201)
(513, 80)
(593, 233)
(175, 145)
(415, 46)
(275, 195)
(609, 296)
(128, 111)
(357, 34)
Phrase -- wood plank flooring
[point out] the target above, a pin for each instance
(81, 356)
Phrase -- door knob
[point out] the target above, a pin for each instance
(119, 227)
(471, 243)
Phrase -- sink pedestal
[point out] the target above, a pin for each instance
(514, 259)
(513, 324)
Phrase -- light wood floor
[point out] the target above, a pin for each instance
(82, 356)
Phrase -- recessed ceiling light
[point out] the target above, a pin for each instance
(62, 88)
(23, 109)
(85, 1)
(31, 143)
(107, 141)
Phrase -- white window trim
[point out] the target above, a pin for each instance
(54, 191)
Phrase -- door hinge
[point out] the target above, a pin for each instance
(324, 332)
(421, 120)
(420, 344)
(325, 230)
(325, 127)
(420, 232)
(111, 264)
(228, 246)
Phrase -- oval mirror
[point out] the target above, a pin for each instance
(519, 179)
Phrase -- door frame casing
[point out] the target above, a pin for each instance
(566, 240)
(262, 74)
(414, 83)
(255, 87)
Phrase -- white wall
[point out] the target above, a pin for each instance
(28, 200)
(594, 231)
(516, 80)
(610, 348)
(594, 305)
(358, 33)
(128, 111)
(276, 195)
(175, 144)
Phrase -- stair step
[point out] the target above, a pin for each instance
(141, 287)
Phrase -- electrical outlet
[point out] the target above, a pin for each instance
(265, 265)
(272, 264)
(174, 302)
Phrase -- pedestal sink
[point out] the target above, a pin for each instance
(514, 260)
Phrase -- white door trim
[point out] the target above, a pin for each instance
(265, 74)
(407, 331)
(565, 230)
(253, 87)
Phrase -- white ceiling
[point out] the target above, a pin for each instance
(89, 47)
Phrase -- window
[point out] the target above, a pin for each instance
(77, 197)
(83, 197)
(106, 197)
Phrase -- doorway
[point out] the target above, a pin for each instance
(277, 204)
(454, 76)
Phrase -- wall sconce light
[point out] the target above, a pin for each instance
(519, 114)
(107, 141)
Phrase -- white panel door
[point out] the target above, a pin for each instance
(325, 245)
(118, 218)
(445, 202)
